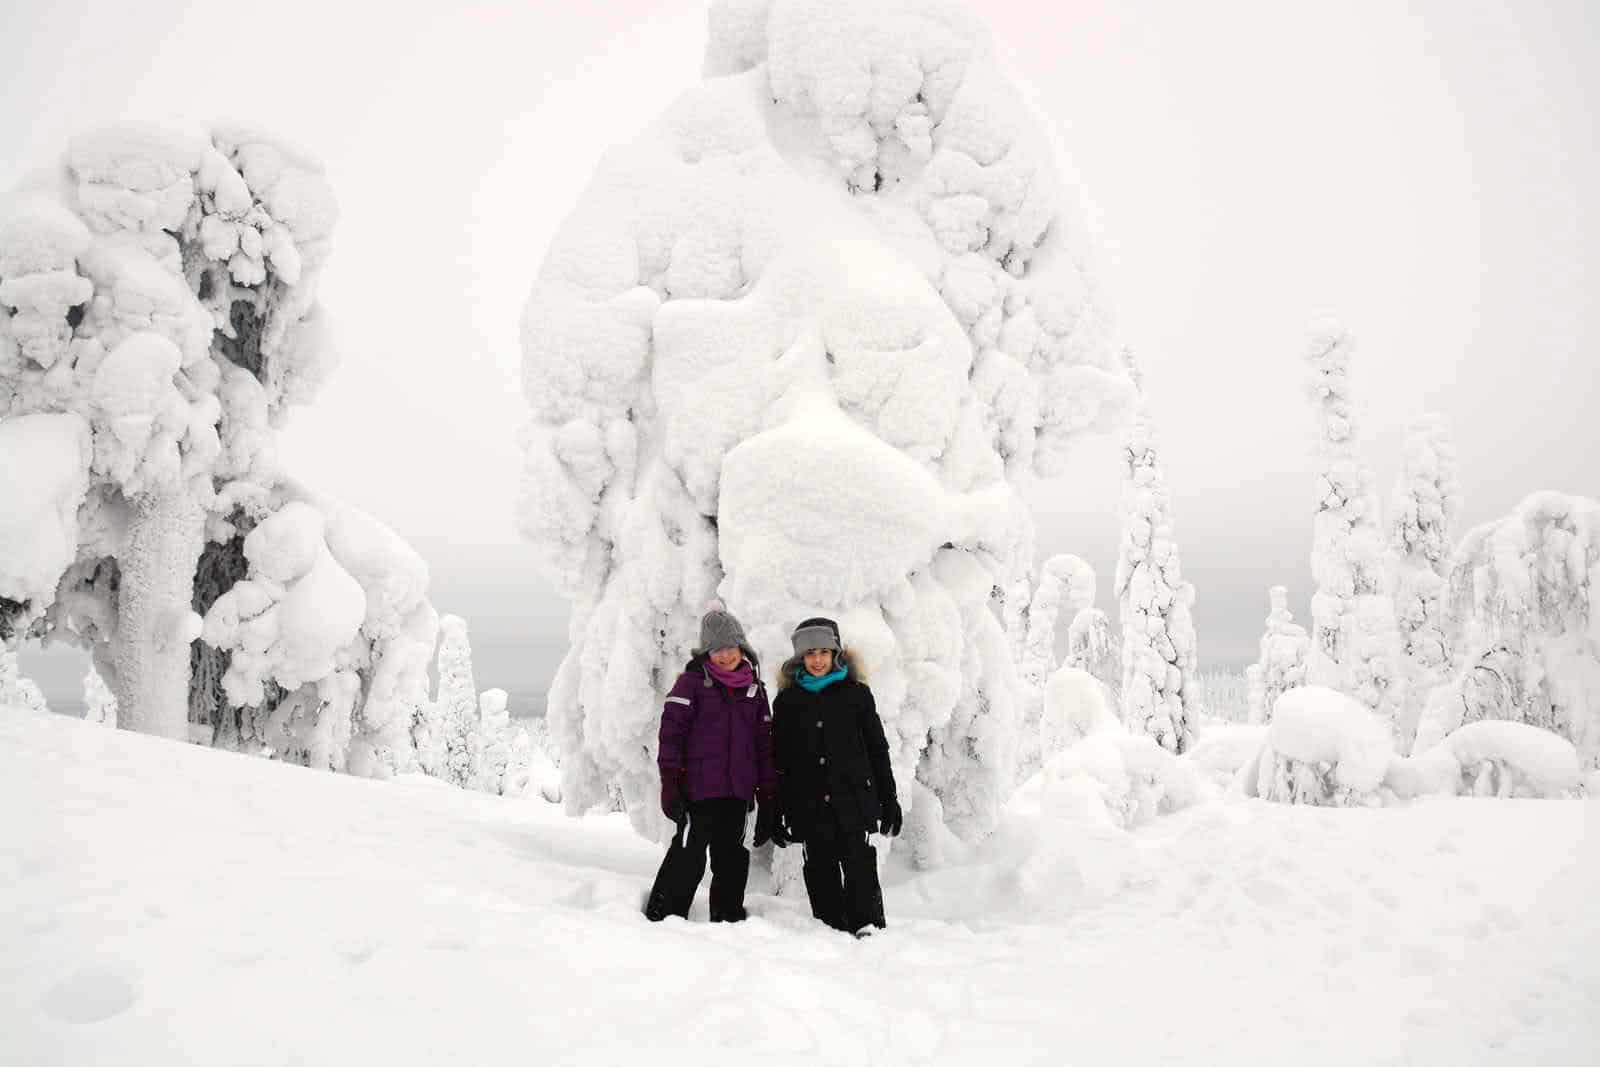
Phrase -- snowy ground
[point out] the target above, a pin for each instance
(165, 904)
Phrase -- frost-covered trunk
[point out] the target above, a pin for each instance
(155, 624)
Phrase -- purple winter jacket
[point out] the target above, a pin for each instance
(719, 740)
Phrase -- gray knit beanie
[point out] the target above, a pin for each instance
(719, 629)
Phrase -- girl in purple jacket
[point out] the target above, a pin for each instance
(715, 758)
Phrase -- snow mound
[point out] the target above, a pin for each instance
(1492, 758)
(1321, 748)
(1075, 707)
(1088, 797)
(1224, 748)
(44, 470)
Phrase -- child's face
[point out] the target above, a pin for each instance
(727, 659)
(819, 661)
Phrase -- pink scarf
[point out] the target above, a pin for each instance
(741, 677)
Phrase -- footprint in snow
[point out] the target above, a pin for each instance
(90, 996)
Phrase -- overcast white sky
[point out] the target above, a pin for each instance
(1427, 172)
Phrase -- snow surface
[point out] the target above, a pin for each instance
(302, 918)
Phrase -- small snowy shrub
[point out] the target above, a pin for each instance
(1501, 759)
(100, 703)
(1075, 706)
(1321, 748)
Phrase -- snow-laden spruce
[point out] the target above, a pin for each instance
(1282, 662)
(797, 346)
(1424, 508)
(1522, 589)
(1158, 641)
(1354, 646)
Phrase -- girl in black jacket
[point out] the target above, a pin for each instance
(834, 779)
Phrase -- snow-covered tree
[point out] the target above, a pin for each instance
(160, 287)
(326, 640)
(1282, 662)
(99, 702)
(798, 345)
(1354, 644)
(1523, 589)
(1093, 646)
(1158, 643)
(157, 318)
(1425, 504)
(1066, 587)
(494, 751)
(456, 694)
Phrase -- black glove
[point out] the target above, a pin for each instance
(889, 818)
(767, 827)
(673, 804)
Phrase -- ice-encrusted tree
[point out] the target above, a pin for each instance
(161, 287)
(1424, 507)
(456, 694)
(797, 346)
(1154, 602)
(158, 317)
(1354, 645)
(1282, 662)
(1094, 647)
(494, 751)
(1066, 587)
(1066, 590)
(1522, 591)
(99, 702)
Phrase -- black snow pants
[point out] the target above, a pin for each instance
(841, 875)
(715, 825)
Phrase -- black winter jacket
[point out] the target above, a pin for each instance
(831, 753)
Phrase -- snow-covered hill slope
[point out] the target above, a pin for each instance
(161, 904)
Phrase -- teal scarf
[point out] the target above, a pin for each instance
(812, 683)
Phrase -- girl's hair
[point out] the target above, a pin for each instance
(847, 655)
